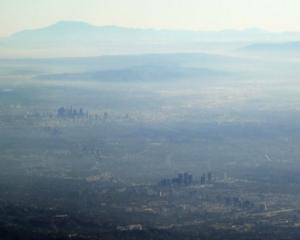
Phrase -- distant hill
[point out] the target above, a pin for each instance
(274, 47)
(71, 38)
(139, 73)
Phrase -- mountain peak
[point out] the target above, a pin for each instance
(71, 23)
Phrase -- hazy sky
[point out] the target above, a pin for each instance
(275, 15)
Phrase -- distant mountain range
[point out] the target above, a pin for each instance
(79, 38)
(81, 31)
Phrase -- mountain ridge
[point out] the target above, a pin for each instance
(84, 26)
(77, 24)
(76, 38)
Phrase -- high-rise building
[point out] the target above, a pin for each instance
(180, 178)
(187, 178)
(202, 179)
(209, 177)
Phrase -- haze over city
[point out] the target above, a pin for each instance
(137, 119)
